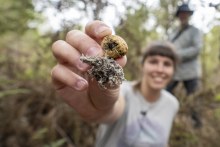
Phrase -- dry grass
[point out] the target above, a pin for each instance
(38, 118)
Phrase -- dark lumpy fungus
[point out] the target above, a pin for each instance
(111, 45)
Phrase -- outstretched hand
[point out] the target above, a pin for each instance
(71, 81)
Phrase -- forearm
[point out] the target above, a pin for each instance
(190, 53)
(194, 46)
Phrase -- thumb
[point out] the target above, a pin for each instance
(103, 98)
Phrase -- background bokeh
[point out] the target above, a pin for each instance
(32, 115)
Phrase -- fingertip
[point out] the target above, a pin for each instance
(98, 29)
(122, 61)
(102, 31)
(57, 43)
(64, 77)
(80, 85)
(56, 47)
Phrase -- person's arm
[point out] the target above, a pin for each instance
(194, 50)
(93, 104)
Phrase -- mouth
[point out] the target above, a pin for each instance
(158, 79)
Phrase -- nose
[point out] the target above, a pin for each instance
(160, 67)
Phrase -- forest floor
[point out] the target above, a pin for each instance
(38, 118)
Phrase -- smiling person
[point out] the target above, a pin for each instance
(136, 113)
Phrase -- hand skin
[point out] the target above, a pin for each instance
(71, 82)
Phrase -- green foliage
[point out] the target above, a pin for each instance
(217, 113)
(15, 15)
(211, 50)
(31, 114)
(137, 33)
(26, 60)
(57, 143)
(39, 134)
(183, 137)
(217, 97)
(165, 14)
(13, 92)
(133, 30)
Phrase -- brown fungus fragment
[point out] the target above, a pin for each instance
(106, 71)
(114, 46)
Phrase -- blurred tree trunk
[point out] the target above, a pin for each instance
(166, 14)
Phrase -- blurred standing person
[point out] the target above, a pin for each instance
(188, 42)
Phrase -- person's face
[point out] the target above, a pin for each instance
(184, 17)
(157, 71)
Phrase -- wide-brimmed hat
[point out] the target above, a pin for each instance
(184, 8)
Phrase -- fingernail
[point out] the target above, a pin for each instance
(101, 29)
(92, 51)
(82, 66)
(80, 85)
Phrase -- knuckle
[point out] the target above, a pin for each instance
(54, 71)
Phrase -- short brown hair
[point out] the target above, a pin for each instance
(162, 48)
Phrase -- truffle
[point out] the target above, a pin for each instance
(114, 46)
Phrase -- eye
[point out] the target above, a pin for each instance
(153, 61)
(168, 63)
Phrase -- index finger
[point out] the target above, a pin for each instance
(97, 30)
